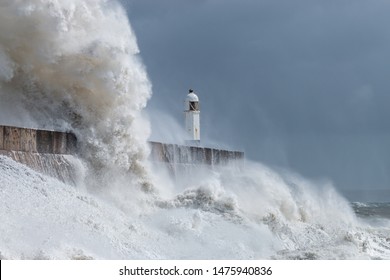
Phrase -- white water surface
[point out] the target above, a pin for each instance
(261, 217)
(75, 65)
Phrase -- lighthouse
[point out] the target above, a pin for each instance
(192, 118)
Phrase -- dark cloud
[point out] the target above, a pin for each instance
(302, 84)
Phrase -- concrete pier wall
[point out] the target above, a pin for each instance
(37, 141)
(48, 152)
(179, 154)
(54, 165)
(51, 152)
(183, 162)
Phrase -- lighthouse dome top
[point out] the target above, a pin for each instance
(192, 97)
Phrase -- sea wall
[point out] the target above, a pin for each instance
(58, 166)
(179, 154)
(37, 141)
(48, 152)
(188, 164)
(52, 152)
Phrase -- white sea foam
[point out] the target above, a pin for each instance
(74, 65)
(252, 217)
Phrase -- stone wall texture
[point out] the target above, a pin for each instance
(50, 152)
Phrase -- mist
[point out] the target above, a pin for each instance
(75, 67)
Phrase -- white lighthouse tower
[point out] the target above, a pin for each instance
(192, 118)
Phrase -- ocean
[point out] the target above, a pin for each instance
(75, 66)
(225, 216)
(372, 209)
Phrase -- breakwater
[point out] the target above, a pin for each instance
(52, 152)
(48, 152)
(37, 140)
(180, 154)
(184, 162)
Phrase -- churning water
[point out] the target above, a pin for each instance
(74, 65)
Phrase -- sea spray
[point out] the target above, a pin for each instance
(216, 219)
(74, 65)
(293, 218)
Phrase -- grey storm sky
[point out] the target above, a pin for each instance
(296, 84)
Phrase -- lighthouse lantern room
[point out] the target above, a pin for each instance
(192, 117)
